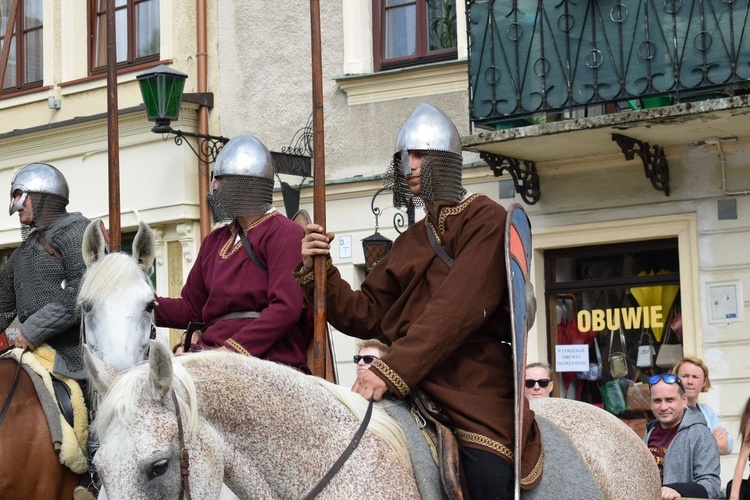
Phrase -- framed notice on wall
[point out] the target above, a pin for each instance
(724, 302)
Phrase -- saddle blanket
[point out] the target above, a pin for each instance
(70, 443)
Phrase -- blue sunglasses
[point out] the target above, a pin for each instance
(668, 378)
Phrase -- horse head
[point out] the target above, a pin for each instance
(116, 299)
(140, 439)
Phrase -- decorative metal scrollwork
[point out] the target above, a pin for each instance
(655, 164)
(523, 172)
(208, 147)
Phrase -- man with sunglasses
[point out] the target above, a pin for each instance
(684, 448)
(367, 352)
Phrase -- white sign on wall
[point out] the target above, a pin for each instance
(572, 358)
(345, 247)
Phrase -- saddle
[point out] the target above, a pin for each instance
(436, 428)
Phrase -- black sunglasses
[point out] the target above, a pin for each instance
(543, 382)
(668, 378)
(368, 358)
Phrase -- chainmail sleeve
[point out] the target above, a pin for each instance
(58, 315)
(7, 294)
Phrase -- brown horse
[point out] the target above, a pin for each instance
(29, 465)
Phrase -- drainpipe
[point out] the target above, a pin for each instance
(202, 56)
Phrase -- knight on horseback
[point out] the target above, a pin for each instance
(40, 281)
(440, 297)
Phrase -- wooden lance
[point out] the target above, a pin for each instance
(320, 339)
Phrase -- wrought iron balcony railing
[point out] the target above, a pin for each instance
(546, 56)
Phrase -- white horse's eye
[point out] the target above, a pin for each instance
(151, 306)
(158, 468)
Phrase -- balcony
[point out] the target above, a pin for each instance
(545, 65)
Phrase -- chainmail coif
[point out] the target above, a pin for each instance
(240, 195)
(440, 179)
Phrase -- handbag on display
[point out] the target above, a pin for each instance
(669, 354)
(646, 352)
(614, 401)
(595, 369)
(638, 398)
(618, 362)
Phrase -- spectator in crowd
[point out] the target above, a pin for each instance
(683, 447)
(539, 382)
(367, 352)
(694, 375)
(738, 488)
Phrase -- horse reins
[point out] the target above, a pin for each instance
(12, 389)
(184, 454)
(344, 456)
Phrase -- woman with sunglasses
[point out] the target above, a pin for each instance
(539, 382)
(694, 375)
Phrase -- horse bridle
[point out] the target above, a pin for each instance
(185, 455)
(13, 386)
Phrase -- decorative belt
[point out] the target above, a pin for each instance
(235, 315)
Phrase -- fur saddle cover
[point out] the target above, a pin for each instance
(69, 442)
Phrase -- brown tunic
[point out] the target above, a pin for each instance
(449, 328)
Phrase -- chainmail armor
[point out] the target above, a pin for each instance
(41, 290)
(240, 195)
(440, 179)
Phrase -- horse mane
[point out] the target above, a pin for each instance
(381, 423)
(118, 402)
(104, 275)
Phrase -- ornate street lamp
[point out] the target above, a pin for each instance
(161, 89)
(376, 246)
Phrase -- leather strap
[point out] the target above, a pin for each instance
(184, 453)
(344, 456)
(235, 315)
(194, 326)
(437, 247)
(13, 386)
(249, 250)
(48, 247)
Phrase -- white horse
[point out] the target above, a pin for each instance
(271, 432)
(116, 299)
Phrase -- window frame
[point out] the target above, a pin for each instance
(423, 55)
(21, 61)
(130, 61)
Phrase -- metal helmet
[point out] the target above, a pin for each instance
(37, 178)
(245, 167)
(244, 155)
(426, 129)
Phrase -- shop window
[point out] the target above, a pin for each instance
(410, 32)
(618, 297)
(138, 33)
(25, 59)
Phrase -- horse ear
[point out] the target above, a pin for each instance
(144, 245)
(94, 245)
(160, 361)
(101, 374)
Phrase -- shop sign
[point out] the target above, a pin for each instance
(629, 318)
(571, 358)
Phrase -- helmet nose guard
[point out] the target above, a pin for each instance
(37, 178)
(426, 129)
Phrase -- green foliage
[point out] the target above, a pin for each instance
(443, 31)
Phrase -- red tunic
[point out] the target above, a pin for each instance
(449, 327)
(225, 280)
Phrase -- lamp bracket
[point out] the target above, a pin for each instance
(201, 98)
(523, 172)
(208, 145)
(655, 164)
